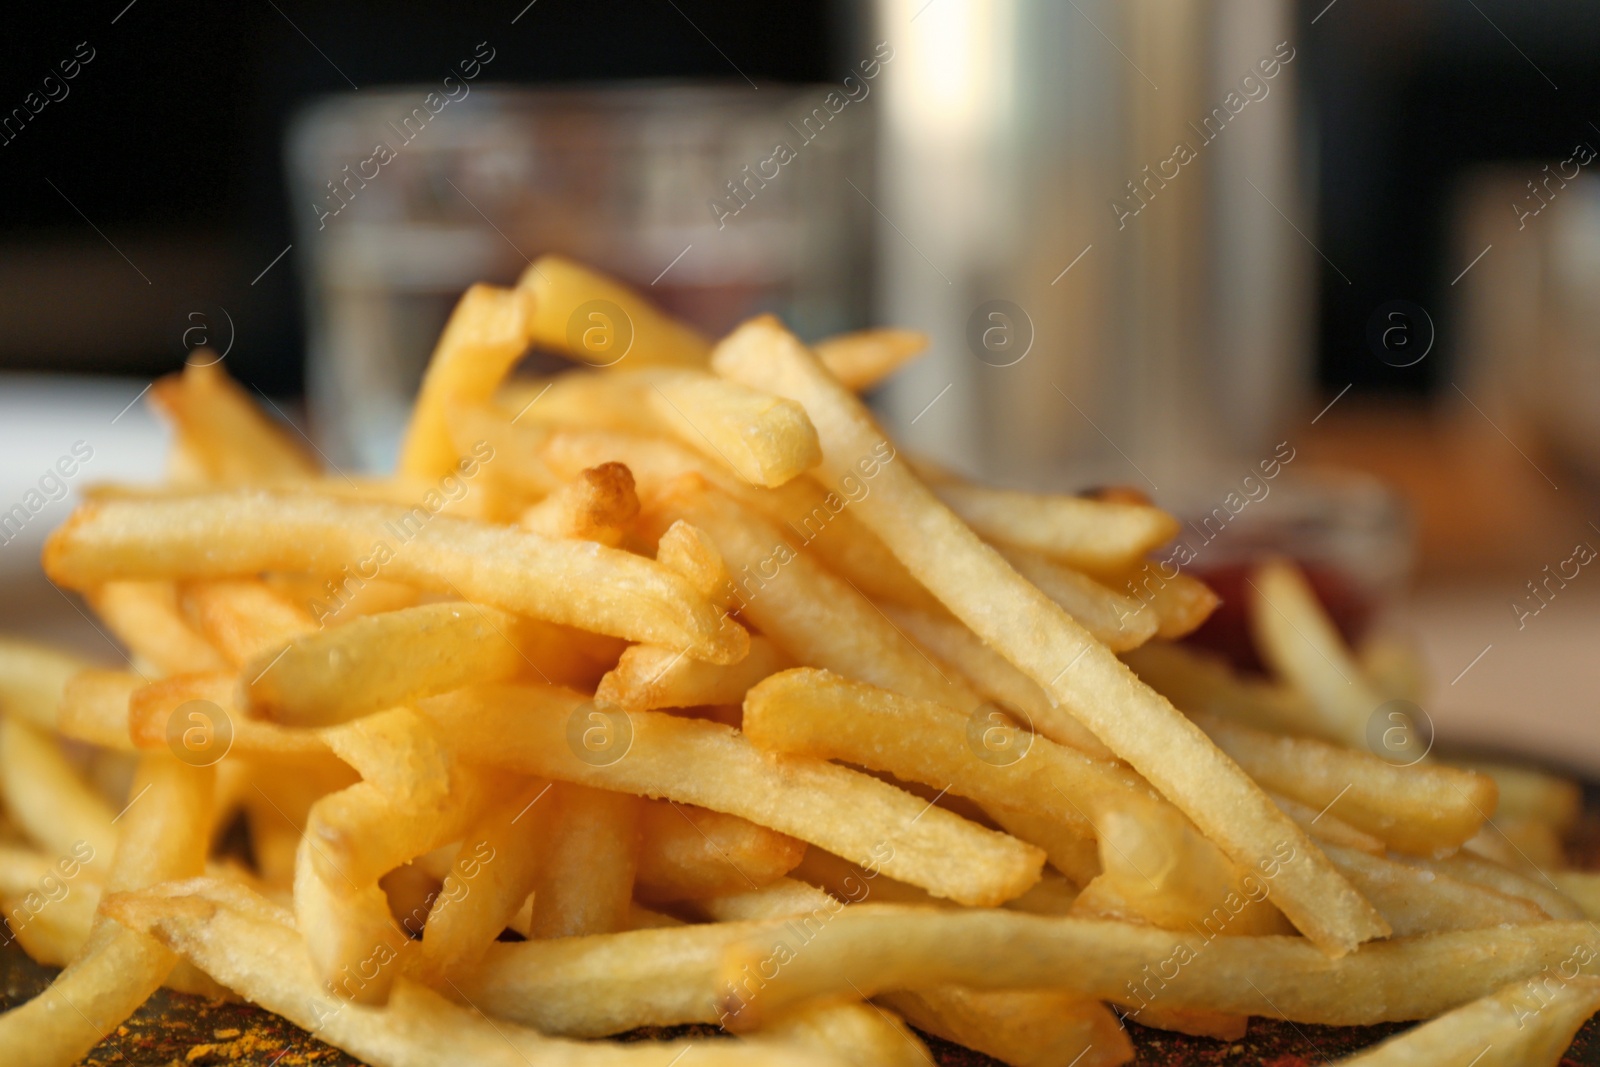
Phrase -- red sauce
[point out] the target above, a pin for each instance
(1227, 631)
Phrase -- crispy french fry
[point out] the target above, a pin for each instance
(381, 661)
(595, 320)
(487, 333)
(863, 358)
(146, 618)
(1526, 793)
(861, 1034)
(786, 896)
(1425, 810)
(160, 712)
(164, 837)
(255, 952)
(45, 796)
(243, 618)
(880, 947)
(1298, 640)
(814, 616)
(1326, 828)
(32, 679)
(1197, 682)
(351, 936)
(600, 504)
(824, 804)
(1495, 1030)
(94, 707)
(487, 883)
(1118, 621)
(689, 852)
(648, 677)
(765, 440)
(1091, 534)
(1547, 891)
(226, 433)
(585, 883)
(1026, 1028)
(1157, 867)
(602, 589)
(1180, 602)
(991, 674)
(983, 591)
(1417, 900)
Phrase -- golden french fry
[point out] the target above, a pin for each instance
(32, 680)
(1547, 891)
(352, 938)
(1417, 900)
(1422, 809)
(590, 318)
(1157, 867)
(1095, 535)
(765, 440)
(543, 731)
(488, 331)
(863, 358)
(381, 661)
(94, 707)
(145, 617)
(1298, 640)
(983, 591)
(1197, 682)
(881, 947)
(44, 795)
(648, 677)
(992, 674)
(250, 947)
(1526, 793)
(487, 883)
(689, 852)
(213, 727)
(243, 618)
(585, 883)
(786, 896)
(1026, 1028)
(1118, 621)
(600, 504)
(861, 1034)
(602, 589)
(814, 616)
(165, 836)
(1181, 602)
(1525, 1024)
(225, 432)
(1326, 828)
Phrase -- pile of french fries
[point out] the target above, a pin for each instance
(668, 690)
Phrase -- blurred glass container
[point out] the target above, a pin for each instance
(401, 209)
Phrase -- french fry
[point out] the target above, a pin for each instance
(1424, 810)
(1417, 900)
(864, 358)
(1494, 1031)
(243, 618)
(861, 1034)
(786, 896)
(352, 938)
(1530, 844)
(1157, 867)
(259, 956)
(1298, 640)
(603, 589)
(1119, 622)
(32, 679)
(1545, 890)
(164, 837)
(45, 796)
(689, 852)
(991, 673)
(1393, 666)
(1326, 828)
(593, 319)
(1526, 793)
(600, 504)
(488, 331)
(216, 728)
(231, 439)
(585, 883)
(814, 616)
(1217, 1025)
(765, 440)
(822, 524)
(648, 677)
(381, 661)
(856, 883)
(94, 707)
(1582, 887)
(839, 809)
(146, 618)
(1091, 534)
(495, 871)
(983, 591)
(880, 947)
(1180, 602)
(1197, 682)
(1027, 1028)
